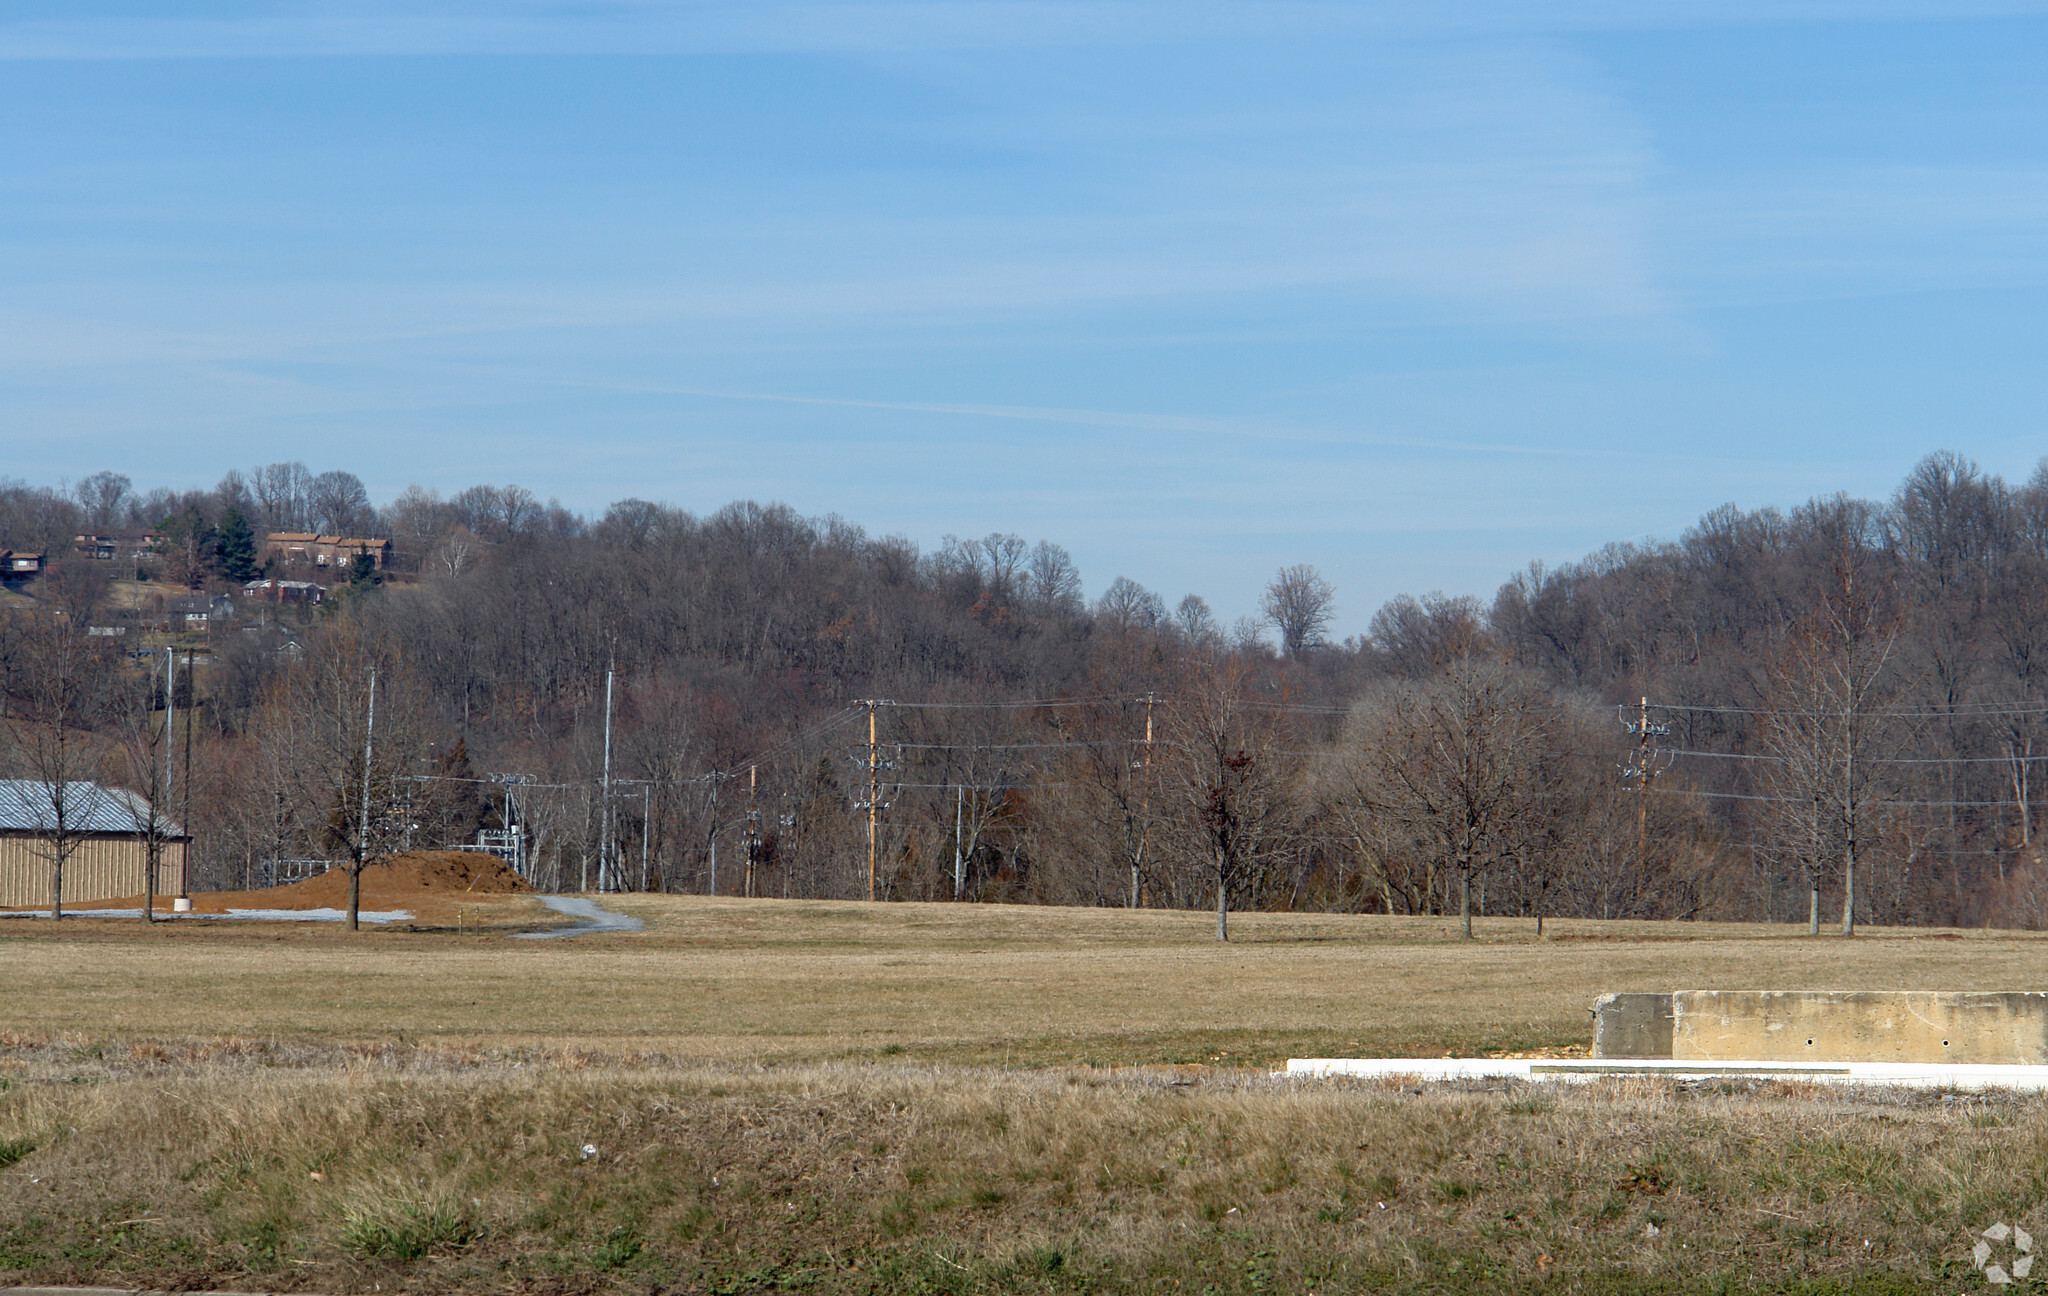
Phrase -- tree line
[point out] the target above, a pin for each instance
(1836, 708)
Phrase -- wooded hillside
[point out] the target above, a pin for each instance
(1844, 697)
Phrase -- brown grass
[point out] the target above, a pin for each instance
(857, 1098)
(423, 1175)
(730, 980)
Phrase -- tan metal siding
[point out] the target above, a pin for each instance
(102, 868)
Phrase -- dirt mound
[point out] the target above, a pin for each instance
(401, 883)
(425, 882)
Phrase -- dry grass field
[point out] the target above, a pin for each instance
(736, 980)
(834, 1097)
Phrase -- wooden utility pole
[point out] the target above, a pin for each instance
(716, 779)
(959, 823)
(1144, 813)
(1643, 772)
(874, 794)
(1643, 797)
(355, 874)
(192, 700)
(604, 814)
(159, 808)
(753, 826)
(171, 725)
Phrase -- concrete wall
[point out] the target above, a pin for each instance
(1994, 1028)
(1632, 1026)
(2002, 1027)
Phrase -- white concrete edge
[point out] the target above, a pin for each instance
(232, 915)
(1914, 1075)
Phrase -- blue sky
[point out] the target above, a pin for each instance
(1414, 292)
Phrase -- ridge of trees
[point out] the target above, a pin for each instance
(1854, 692)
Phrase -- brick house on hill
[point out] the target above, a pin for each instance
(304, 550)
(110, 545)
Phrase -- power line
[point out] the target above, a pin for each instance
(1104, 742)
(824, 726)
(1963, 711)
(1878, 760)
(1025, 704)
(1767, 848)
(1874, 802)
(981, 787)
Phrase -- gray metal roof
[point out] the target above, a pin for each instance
(27, 806)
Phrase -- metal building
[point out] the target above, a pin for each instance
(112, 851)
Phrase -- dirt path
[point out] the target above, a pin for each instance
(595, 918)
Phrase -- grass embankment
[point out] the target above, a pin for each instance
(408, 1171)
(853, 1098)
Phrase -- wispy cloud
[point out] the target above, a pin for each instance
(285, 29)
(1490, 181)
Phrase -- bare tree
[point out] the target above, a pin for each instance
(349, 779)
(1127, 606)
(143, 756)
(1232, 782)
(104, 497)
(340, 505)
(1104, 805)
(1823, 733)
(497, 513)
(284, 495)
(1419, 637)
(1005, 564)
(1463, 763)
(57, 693)
(1198, 623)
(1053, 581)
(1299, 603)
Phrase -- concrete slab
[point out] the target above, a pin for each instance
(1582, 1071)
(1939, 1027)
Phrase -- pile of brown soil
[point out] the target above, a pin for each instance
(428, 883)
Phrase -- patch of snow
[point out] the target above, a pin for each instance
(250, 915)
(595, 918)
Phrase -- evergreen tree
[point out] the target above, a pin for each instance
(363, 575)
(234, 544)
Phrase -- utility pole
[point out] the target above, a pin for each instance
(355, 875)
(874, 805)
(1144, 813)
(646, 823)
(785, 825)
(959, 860)
(716, 779)
(604, 832)
(753, 826)
(170, 723)
(160, 800)
(1648, 763)
(194, 692)
(874, 796)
